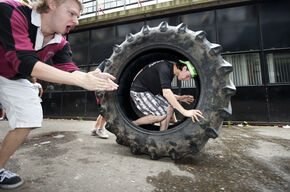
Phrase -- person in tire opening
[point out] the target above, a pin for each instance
(152, 95)
(29, 37)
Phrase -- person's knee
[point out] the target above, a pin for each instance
(170, 110)
(157, 119)
(160, 118)
(22, 131)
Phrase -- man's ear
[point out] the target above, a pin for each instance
(51, 4)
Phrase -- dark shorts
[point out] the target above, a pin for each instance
(148, 103)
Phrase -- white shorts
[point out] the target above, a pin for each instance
(23, 108)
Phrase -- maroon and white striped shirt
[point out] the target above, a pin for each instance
(19, 43)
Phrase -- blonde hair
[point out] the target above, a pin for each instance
(41, 6)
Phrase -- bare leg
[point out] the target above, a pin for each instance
(2, 114)
(174, 117)
(11, 142)
(149, 119)
(164, 124)
(98, 122)
(102, 122)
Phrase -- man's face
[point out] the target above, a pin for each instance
(33, 79)
(184, 74)
(66, 16)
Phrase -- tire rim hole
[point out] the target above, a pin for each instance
(133, 67)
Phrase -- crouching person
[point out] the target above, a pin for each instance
(152, 94)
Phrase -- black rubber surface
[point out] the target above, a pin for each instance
(214, 90)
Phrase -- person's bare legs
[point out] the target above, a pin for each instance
(99, 128)
(149, 119)
(102, 122)
(165, 123)
(10, 144)
(2, 114)
(174, 118)
(98, 123)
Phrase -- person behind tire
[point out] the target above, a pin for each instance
(99, 129)
(29, 37)
(37, 87)
(152, 94)
(2, 112)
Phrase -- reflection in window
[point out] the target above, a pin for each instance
(279, 67)
(100, 44)
(79, 43)
(204, 21)
(123, 30)
(246, 69)
(51, 87)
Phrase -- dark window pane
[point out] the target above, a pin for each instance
(72, 87)
(92, 105)
(204, 21)
(250, 104)
(51, 87)
(51, 104)
(275, 21)
(155, 22)
(101, 45)
(279, 103)
(238, 28)
(123, 30)
(79, 44)
(74, 104)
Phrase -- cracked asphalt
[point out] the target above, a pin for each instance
(62, 156)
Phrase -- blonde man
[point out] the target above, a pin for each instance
(28, 39)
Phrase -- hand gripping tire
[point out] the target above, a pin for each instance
(216, 89)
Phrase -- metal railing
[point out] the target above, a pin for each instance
(99, 7)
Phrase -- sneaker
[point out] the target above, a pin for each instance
(1, 119)
(94, 132)
(9, 180)
(102, 134)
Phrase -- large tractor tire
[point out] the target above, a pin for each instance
(214, 90)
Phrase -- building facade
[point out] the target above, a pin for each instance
(254, 36)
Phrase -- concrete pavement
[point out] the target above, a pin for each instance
(62, 156)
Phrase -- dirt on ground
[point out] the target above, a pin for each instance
(62, 156)
(240, 160)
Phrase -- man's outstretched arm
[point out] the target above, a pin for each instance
(90, 81)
